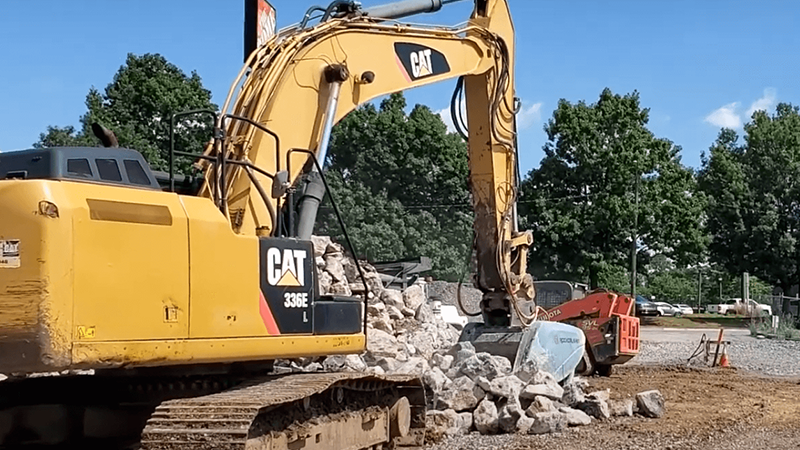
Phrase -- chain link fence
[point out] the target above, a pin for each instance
(781, 304)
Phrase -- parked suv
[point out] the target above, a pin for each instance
(645, 307)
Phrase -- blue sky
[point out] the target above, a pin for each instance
(698, 65)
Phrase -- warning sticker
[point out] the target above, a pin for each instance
(9, 254)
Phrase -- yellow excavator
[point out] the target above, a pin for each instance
(136, 314)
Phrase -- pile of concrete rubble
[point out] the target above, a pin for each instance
(471, 390)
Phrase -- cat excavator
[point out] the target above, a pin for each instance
(148, 313)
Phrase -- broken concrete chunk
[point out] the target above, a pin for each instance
(548, 422)
(459, 395)
(320, 244)
(622, 408)
(542, 377)
(463, 424)
(551, 391)
(439, 422)
(540, 404)
(484, 383)
(479, 393)
(424, 313)
(383, 324)
(651, 404)
(524, 424)
(413, 297)
(443, 362)
(436, 379)
(325, 281)
(348, 363)
(573, 395)
(392, 297)
(462, 351)
(603, 395)
(506, 387)
(596, 408)
(376, 309)
(484, 365)
(333, 265)
(509, 415)
(416, 366)
(377, 370)
(394, 313)
(485, 417)
(380, 344)
(575, 416)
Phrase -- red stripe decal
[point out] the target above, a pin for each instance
(402, 68)
(266, 315)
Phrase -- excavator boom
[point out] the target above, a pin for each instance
(306, 79)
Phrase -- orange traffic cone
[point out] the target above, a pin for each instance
(723, 358)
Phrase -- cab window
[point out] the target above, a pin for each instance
(108, 169)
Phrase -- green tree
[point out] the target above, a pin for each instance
(615, 278)
(674, 286)
(753, 191)
(401, 183)
(62, 137)
(581, 203)
(137, 106)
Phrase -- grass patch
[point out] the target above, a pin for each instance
(697, 321)
(763, 326)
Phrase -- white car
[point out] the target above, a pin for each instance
(665, 309)
(684, 308)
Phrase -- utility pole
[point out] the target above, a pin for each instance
(699, 287)
(635, 238)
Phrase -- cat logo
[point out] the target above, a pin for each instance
(417, 61)
(286, 269)
(421, 63)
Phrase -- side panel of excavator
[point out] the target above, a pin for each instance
(113, 276)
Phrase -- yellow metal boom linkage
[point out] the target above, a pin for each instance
(305, 79)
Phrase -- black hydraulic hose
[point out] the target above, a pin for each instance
(335, 6)
(309, 12)
(697, 351)
(455, 109)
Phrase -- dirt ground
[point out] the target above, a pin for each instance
(706, 409)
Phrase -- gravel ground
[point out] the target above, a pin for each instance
(760, 356)
(752, 405)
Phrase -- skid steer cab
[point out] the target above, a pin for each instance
(606, 318)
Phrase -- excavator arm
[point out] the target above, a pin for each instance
(293, 89)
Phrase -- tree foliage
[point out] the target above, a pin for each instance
(754, 197)
(581, 202)
(400, 181)
(137, 106)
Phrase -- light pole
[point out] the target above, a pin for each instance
(720, 289)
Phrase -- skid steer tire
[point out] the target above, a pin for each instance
(604, 370)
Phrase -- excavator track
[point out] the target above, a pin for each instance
(325, 410)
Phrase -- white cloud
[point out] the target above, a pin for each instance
(529, 116)
(447, 119)
(728, 116)
(765, 103)
(526, 117)
(725, 117)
